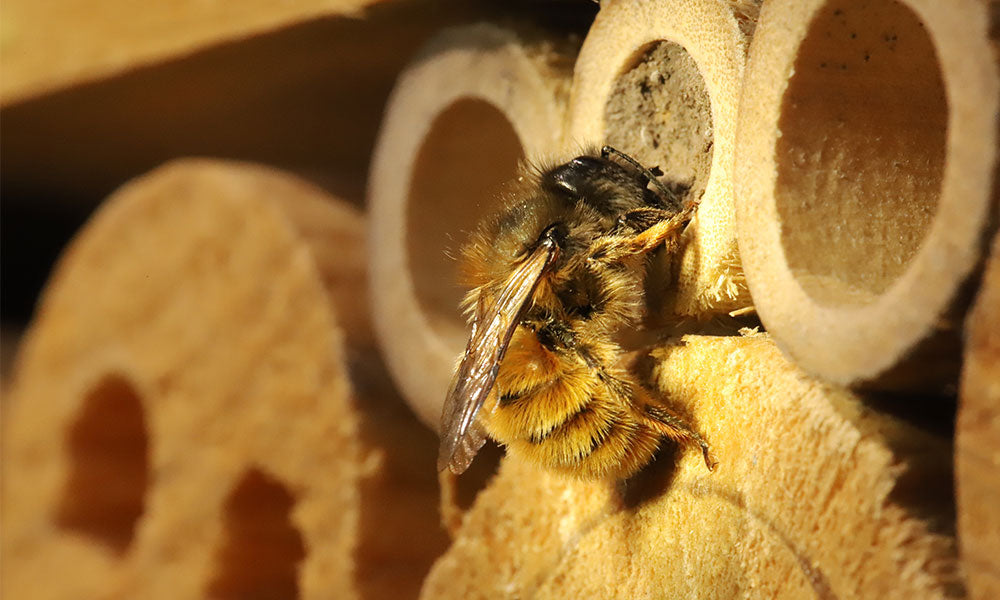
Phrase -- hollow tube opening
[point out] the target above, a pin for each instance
(470, 151)
(861, 150)
(660, 111)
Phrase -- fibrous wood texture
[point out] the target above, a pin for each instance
(661, 80)
(198, 411)
(813, 497)
(977, 440)
(53, 44)
(865, 169)
(474, 102)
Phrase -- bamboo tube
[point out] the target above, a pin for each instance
(661, 81)
(815, 496)
(865, 172)
(977, 440)
(198, 408)
(471, 105)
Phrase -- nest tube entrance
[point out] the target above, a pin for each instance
(477, 100)
(865, 183)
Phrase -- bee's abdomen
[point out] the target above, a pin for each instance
(557, 412)
(600, 440)
(594, 438)
(540, 409)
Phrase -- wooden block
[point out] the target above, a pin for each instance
(52, 45)
(306, 98)
(815, 495)
(198, 408)
(977, 440)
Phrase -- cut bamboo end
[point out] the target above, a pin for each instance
(190, 419)
(814, 496)
(661, 80)
(865, 181)
(474, 103)
(977, 440)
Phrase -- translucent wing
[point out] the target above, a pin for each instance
(492, 327)
(466, 449)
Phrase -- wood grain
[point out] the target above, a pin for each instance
(977, 440)
(814, 497)
(198, 407)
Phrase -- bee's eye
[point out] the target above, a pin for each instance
(566, 186)
(575, 177)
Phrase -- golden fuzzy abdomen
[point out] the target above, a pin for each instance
(555, 410)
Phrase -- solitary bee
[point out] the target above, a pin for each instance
(553, 276)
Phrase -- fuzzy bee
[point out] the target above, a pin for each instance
(553, 276)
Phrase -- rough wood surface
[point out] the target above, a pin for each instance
(198, 409)
(661, 80)
(815, 495)
(865, 169)
(469, 107)
(53, 44)
(977, 440)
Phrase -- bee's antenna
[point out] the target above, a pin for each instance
(649, 174)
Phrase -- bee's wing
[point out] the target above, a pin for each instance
(467, 448)
(492, 327)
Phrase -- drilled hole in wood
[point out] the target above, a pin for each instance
(470, 151)
(261, 549)
(862, 150)
(108, 465)
(660, 112)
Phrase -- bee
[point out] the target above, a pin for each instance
(553, 275)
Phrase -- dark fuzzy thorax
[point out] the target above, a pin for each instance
(587, 196)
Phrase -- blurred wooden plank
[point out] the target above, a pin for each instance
(307, 98)
(52, 44)
(977, 452)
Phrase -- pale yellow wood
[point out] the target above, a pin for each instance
(221, 307)
(865, 182)
(814, 497)
(475, 101)
(977, 440)
(51, 44)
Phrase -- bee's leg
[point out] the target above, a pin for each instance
(671, 426)
(639, 220)
(665, 231)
